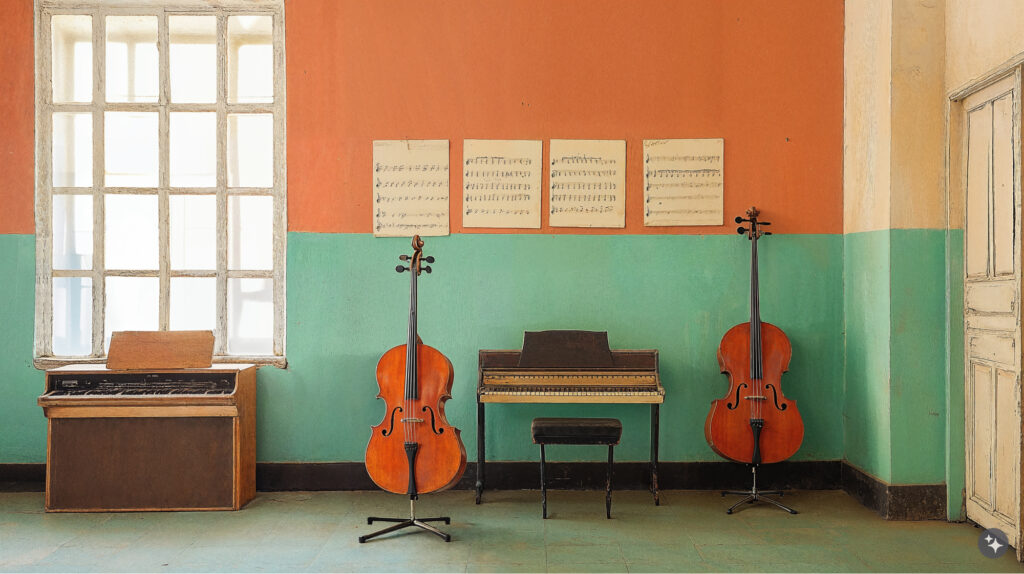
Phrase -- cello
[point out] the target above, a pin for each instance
(414, 450)
(754, 423)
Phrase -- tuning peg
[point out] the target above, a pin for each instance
(403, 257)
(740, 219)
(426, 268)
(767, 233)
(764, 223)
(401, 268)
(741, 230)
(429, 258)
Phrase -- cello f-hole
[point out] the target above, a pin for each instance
(775, 396)
(736, 403)
(432, 426)
(391, 429)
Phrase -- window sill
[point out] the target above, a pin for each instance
(44, 363)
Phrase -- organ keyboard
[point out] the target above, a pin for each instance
(568, 367)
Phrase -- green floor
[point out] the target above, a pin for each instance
(299, 531)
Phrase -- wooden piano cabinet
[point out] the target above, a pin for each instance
(153, 452)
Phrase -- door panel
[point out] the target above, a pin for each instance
(994, 297)
(979, 131)
(1002, 185)
(1007, 438)
(982, 437)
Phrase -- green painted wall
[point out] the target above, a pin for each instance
(918, 383)
(956, 457)
(22, 425)
(897, 317)
(867, 432)
(346, 305)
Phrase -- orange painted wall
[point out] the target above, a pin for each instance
(17, 118)
(767, 76)
(764, 75)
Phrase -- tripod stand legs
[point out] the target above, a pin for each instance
(753, 495)
(420, 523)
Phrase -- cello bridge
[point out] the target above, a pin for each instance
(412, 420)
(756, 398)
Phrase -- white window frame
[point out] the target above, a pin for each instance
(45, 108)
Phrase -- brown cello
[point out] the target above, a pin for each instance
(414, 450)
(754, 423)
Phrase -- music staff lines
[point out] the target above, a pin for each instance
(683, 182)
(496, 166)
(411, 187)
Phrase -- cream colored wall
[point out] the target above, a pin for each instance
(895, 106)
(981, 36)
(867, 127)
(917, 198)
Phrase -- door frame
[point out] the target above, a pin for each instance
(956, 213)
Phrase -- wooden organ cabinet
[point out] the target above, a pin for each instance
(150, 439)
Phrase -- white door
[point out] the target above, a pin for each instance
(992, 329)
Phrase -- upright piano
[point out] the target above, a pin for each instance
(568, 367)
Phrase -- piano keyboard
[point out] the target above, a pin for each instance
(570, 387)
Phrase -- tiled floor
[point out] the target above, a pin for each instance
(318, 531)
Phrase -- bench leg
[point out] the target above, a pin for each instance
(608, 485)
(543, 485)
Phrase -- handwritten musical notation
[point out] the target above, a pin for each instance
(587, 183)
(410, 188)
(501, 183)
(683, 182)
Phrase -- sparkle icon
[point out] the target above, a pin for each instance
(993, 543)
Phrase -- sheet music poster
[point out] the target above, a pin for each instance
(501, 183)
(683, 183)
(588, 183)
(410, 188)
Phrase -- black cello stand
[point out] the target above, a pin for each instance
(753, 495)
(407, 522)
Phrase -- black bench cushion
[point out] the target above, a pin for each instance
(576, 431)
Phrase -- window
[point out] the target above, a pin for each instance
(160, 174)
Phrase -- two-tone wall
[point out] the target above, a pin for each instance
(765, 77)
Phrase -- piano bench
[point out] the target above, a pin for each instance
(576, 431)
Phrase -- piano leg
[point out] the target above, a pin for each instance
(481, 457)
(655, 424)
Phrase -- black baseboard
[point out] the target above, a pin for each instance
(895, 501)
(27, 477)
(519, 475)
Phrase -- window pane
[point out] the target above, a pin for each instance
(72, 58)
(131, 232)
(72, 232)
(250, 59)
(193, 232)
(250, 232)
(133, 66)
(130, 148)
(193, 303)
(193, 58)
(72, 150)
(72, 316)
(250, 150)
(193, 149)
(132, 305)
(251, 316)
